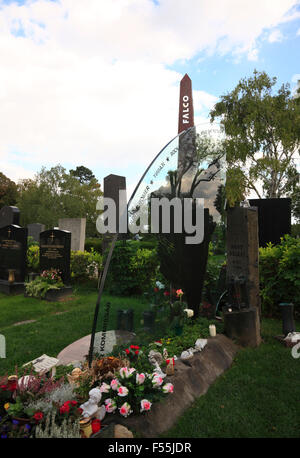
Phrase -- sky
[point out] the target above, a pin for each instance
(96, 82)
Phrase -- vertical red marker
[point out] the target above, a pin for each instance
(186, 108)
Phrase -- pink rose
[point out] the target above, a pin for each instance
(122, 391)
(140, 378)
(104, 388)
(125, 409)
(110, 405)
(114, 384)
(157, 381)
(168, 388)
(145, 405)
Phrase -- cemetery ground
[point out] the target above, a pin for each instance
(256, 397)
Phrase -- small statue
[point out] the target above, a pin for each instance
(155, 357)
(90, 407)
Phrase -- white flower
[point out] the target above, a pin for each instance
(104, 388)
(122, 391)
(189, 312)
(145, 405)
(160, 285)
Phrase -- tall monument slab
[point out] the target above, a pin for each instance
(9, 215)
(77, 228)
(186, 108)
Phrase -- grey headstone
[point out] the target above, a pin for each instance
(77, 228)
(34, 230)
(9, 215)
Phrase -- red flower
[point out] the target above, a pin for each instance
(134, 347)
(74, 403)
(65, 408)
(3, 387)
(12, 386)
(136, 352)
(38, 416)
(127, 351)
(156, 290)
(166, 293)
(96, 426)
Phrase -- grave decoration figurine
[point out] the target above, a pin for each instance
(90, 407)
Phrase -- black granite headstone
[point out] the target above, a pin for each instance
(55, 252)
(274, 219)
(13, 250)
(9, 215)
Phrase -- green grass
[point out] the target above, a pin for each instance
(53, 330)
(257, 397)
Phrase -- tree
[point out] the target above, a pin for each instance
(262, 138)
(8, 191)
(84, 174)
(55, 194)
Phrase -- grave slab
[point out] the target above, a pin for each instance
(77, 351)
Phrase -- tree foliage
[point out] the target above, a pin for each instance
(8, 191)
(262, 138)
(55, 194)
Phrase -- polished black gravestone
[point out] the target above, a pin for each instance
(9, 215)
(274, 219)
(13, 251)
(55, 252)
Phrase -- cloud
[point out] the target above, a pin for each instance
(275, 36)
(93, 82)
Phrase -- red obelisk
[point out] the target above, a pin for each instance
(186, 108)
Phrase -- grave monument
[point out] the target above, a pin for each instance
(13, 252)
(242, 311)
(77, 228)
(55, 253)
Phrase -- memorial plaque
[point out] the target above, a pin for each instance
(34, 230)
(9, 215)
(55, 252)
(13, 250)
(274, 219)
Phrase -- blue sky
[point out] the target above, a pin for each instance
(97, 82)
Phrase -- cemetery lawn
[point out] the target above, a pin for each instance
(56, 325)
(257, 397)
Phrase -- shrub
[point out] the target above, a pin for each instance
(33, 258)
(132, 269)
(85, 265)
(93, 243)
(279, 271)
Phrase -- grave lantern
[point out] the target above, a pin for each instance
(287, 311)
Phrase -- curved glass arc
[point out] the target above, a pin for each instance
(190, 165)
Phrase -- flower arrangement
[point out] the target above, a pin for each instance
(133, 392)
(49, 279)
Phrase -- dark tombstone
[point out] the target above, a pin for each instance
(125, 320)
(9, 215)
(274, 219)
(13, 252)
(112, 184)
(242, 311)
(55, 252)
(34, 230)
